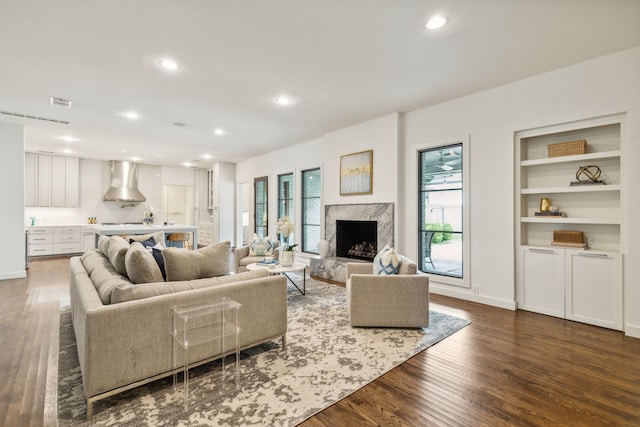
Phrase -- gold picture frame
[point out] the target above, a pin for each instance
(356, 173)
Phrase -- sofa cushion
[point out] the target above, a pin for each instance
(386, 261)
(185, 264)
(92, 258)
(141, 266)
(127, 292)
(103, 245)
(117, 251)
(105, 278)
(158, 237)
(261, 246)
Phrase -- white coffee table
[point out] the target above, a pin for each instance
(279, 269)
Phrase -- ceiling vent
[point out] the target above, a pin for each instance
(60, 102)
(26, 116)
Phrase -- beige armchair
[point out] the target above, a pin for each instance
(398, 300)
(241, 257)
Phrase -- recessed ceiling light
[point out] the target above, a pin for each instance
(132, 115)
(283, 100)
(187, 164)
(67, 138)
(168, 64)
(219, 131)
(135, 159)
(67, 149)
(436, 22)
(207, 156)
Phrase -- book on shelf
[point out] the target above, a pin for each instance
(574, 183)
(549, 214)
(570, 245)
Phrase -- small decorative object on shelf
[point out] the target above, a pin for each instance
(572, 239)
(568, 148)
(588, 175)
(545, 204)
(148, 217)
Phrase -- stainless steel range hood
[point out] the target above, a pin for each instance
(124, 183)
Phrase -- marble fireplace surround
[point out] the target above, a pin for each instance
(334, 269)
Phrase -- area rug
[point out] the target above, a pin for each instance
(325, 360)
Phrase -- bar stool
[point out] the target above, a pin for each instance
(179, 237)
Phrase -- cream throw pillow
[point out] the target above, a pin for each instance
(185, 264)
(141, 266)
(261, 247)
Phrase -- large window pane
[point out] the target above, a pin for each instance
(285, 199)
(311, 210)
(441, 211)
(261, 206)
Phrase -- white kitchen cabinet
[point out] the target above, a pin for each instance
(51, 181)
(44, 180)
(582, 285)
(593, 288)
(40, 241)
(31, 180)
(66, 240)
(88, 238)
(205, 234)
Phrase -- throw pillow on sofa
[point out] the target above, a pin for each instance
(117, 251)
(261, 246)
(386, 261)
(185, 264)
(141, 266)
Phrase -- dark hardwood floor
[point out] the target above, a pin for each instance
(506, 368)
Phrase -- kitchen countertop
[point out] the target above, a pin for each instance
(110, 230)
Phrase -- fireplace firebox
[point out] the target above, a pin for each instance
(357, 239)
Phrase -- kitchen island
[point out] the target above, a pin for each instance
(130, 229)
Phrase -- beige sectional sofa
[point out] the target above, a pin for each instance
(122, 328)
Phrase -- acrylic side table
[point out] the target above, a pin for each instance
(203, 323)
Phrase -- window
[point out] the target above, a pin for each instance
(311, 188)
(261, 205)
(285, 197)
(441, 217)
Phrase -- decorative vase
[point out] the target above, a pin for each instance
(545, 204)
(286, 258)
(323, 248)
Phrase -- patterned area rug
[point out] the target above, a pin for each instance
(325, 360)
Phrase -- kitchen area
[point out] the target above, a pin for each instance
(70, 202)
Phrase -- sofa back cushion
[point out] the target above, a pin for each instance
(141, 266)
(105, 278)
(127, 292)
(103, 244)
(183, 264)
(117, 252)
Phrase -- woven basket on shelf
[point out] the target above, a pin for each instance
(564, 236)
(568, 148)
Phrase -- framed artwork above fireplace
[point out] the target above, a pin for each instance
(356, 173)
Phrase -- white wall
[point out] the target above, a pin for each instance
(606, 85)
(12, 252)
(379, 135)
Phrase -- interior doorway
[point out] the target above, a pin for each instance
(178, 205)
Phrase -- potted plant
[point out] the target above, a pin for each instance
(285, 228)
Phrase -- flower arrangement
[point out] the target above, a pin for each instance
(285, 227)
(149, 212)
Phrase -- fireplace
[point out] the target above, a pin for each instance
(356, 239)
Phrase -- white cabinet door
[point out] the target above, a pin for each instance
(31, 180)
(58, 179)
(541, 281)
(72, 182)
(594, 288)
(88, 240)
(44, 180)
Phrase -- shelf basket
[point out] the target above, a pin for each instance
(568, 148)
(564, 236)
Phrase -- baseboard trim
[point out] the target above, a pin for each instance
(14, 275)
(509, 305)
(632, 331)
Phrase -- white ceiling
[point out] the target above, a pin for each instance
(343, 61)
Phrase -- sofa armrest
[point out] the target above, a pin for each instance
(388, 300)
(238, 254)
